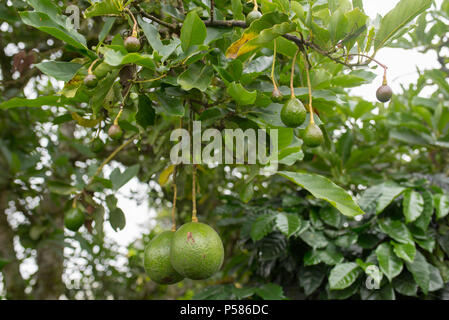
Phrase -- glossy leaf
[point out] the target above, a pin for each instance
(322, 188)
(343, 275)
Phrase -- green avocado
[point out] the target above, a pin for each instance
(73, 219)
(132, 44)
(90, 81)
(197, 251)
(313, 136)
(293, 113)
(253, 15)
(102, 70)
(157, 260)
(115, 132)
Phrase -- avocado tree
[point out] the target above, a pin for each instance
(356, 208)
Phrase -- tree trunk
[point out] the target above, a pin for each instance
(50, 256)
(14, 283)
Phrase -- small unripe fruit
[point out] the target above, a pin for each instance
(115, 132)
(156, 260)
(253, 15)
(293, 113)
(97, 145)
(313, 136)
(384, 93)
(102, 70)
(132, 44)
(276, 95)
(90, 81)
(73, 219)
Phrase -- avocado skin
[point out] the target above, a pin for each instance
(293, 113)
(384, 93)
(313, 136)
(197, 251)
(157, 260)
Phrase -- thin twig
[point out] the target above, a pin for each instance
(212, 5)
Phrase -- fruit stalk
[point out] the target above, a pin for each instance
(309, 85)
(175, 192)
(292, 90)
(272, 68)
(256, 7)
(134, 33)
(89, 70)
(194, 218)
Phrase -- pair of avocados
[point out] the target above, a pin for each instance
(293, 114)
(194, 251)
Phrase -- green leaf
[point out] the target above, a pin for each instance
(287, 223)
(442, 205)
(322, 188)
(389, 263)
(237, 9)
(111, 202)
(380, 196)
(193, 31)
(260, 33)
(328, 255)
(119, 179)
(343, 275)
(106, 28)
(338, 26)
(173, 106)
(420, 270)
(104, 86)
(436, 281)
(117, 58)
(270, 291)
(145, 114)
(38, 102)
(392, 23)
(262, 226)
(196, 76)
(413, 205)
(315, 239)
(405, 251)
(240, 94)
(396, 230)
(102, 8)
(59, 70)
(61, 188)
(43, 22)
(246, 192)
(426, 216)
(405, 284)
(310, 278)
(154, 38)
(117, 219)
